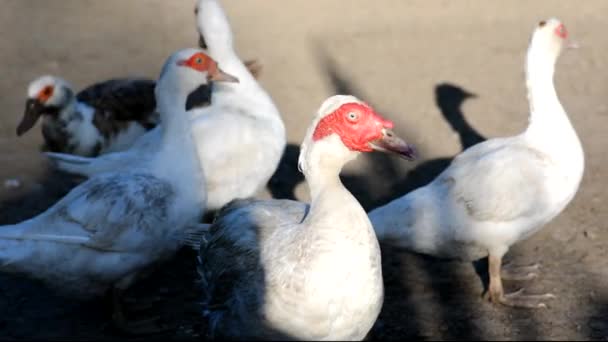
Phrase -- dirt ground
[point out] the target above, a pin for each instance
(411, 60)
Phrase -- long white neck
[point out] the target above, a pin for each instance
(549, 129)
(322, 177)
(246, 96)
(177, 159)
(331, 202)
(214, 25)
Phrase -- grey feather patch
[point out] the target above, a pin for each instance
(144, 189)
(193, 236)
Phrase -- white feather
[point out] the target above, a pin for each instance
(502, 190)
(240, 144)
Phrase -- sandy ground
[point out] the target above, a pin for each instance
(408, 59)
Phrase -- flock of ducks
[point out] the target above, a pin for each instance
(206, 136)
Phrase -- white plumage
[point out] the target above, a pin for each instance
(109, 228)
(240, 144)
(283, 269)
(502, 190)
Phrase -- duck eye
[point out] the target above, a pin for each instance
(45, 93)
(542, 23)
(352, 116)
(199, 60)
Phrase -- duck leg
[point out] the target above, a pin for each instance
(146, 326)
(515, 299)
(519, 273)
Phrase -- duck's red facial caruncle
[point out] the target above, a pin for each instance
(203, 63)
(561, 31)
(35, 107)
(361, 129)
(45, 93)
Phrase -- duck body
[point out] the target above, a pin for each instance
(502, 190)
(513, 201)
(240, 144)
(282, 269)
(70, 246)
(108, 229)
(281, 282)
(106, 117)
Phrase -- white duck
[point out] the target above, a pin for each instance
(500, 191)
(244, 130)
(105, 117)
(104, 232)
(248, 129)
(283, 269)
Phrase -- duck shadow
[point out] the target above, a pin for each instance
(597, 323)
(25, 300)
(286, 178)
(41, 194)
(449, 99)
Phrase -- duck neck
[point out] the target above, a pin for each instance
(213, 23)
(322, 167)
(58, 118)
(66, 112)
(546, 111)
(320, 179)
(214, 26)
(549, 127)
(177, 157)
(321, 162)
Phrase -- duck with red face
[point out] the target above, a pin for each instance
(499, 191)
(113, 226)
(282, 269)
(105, 117)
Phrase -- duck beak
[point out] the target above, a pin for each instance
(391, 143)
(33, 111)
(218, 75)
(572, 45)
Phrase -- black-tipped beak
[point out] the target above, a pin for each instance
(33, 111)
(391, 143)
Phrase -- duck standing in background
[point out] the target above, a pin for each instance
(105, 117)
(240, 144)
(499, 191)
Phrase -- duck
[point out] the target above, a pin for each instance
(240, 145)
(284, 269)
(113, 227)
(499, 191)
(104, 117)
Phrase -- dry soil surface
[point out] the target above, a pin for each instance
(409, 59)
